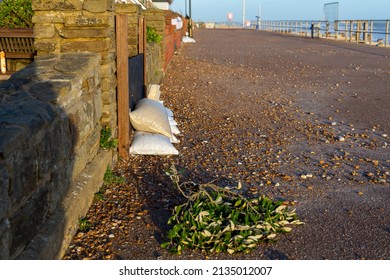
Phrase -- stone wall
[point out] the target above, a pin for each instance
(134, 14)
(155, 18)
(154, 68)
(49, 149)
(81, 25)
(51, 114)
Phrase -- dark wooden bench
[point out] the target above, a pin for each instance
(17, 43)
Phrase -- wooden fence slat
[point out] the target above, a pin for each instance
(123, 85)
(144, 44)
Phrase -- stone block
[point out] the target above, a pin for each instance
(98, 105)
(45, 46)
(47, 17)
(7, 88)
(90, 20)
(108, 70)
(108, 56)
(58, 186)
(86, 151)
(44, 31)
(55, 148)
(127, 8)
(11, 138)
(5, 237)
(77, 63)
(55, 92)
(72, 32)
(87, 45)
(31, 114)
(4, 186)
(98, 6)
(27, 221)
(23, 171)
(57, 5)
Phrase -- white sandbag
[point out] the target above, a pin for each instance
(169, 112)
(172, 121)
(174, 140)
(150, 116)
(145, 143)
(175, 130)
(187, 39)
(154, 92)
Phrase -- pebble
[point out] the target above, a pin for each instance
(341, 139)
(111, 236)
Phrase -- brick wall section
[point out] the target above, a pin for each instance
(172, 37)
(76, 26)
(50, 114)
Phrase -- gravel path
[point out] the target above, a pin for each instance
(301, 120)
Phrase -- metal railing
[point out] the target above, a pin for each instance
(372, 32)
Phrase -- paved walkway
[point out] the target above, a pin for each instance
(302, 120)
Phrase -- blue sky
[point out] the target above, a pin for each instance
(217, 10)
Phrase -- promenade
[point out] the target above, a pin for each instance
(302, 120)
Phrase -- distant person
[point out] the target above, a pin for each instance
(379, 42)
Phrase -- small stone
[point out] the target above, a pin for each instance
(334, 123)
(111, 236)
(341, 139)
(384, 135)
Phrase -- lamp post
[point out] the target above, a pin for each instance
(243, 13)
(189, 19)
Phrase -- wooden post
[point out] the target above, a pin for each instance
(142, 48)
(145, 45)
(122, 62)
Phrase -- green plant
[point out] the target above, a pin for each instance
(152, 35)
(106, 140)
(16, 13)
(110, 177)
(216, 219)
(99, 196)
(84, 224)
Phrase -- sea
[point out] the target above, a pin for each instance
(378, 28)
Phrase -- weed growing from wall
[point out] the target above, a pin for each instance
(106, 139)
(152, 35)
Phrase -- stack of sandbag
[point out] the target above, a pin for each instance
(154, 125)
